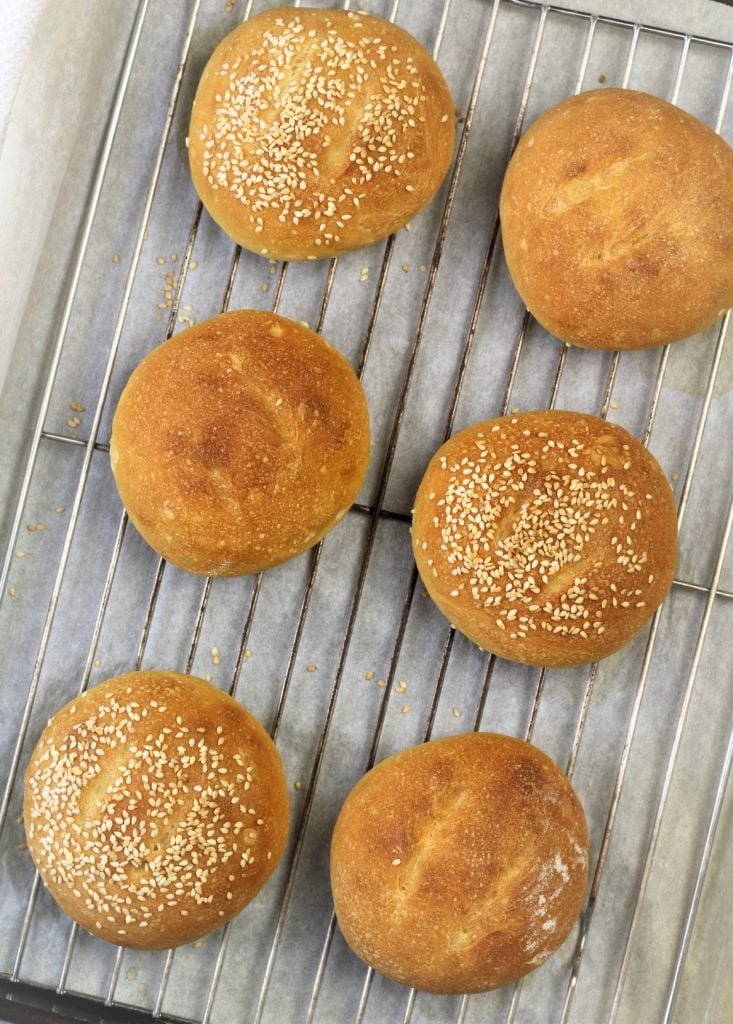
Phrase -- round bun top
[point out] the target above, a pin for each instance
(239, 443)
(155, 808)
(617, 221)
(315, 132)
(548, 538)
(460, 865)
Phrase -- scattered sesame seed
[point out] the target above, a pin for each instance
(11, 591)
(456, 712)
(381, 682)
(102, 861)
(311, 668)
(396, 862)
(369, 675)
(523, 536)
(115, 257)
(405, 708)
(261, 148)
(298, 784)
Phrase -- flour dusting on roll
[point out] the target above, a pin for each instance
(459, 865)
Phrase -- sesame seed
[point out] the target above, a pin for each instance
(525, 536)
(142, 802)
(261, 150)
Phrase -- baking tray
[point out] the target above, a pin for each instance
(339, 652)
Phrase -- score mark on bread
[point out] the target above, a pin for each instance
(460, 864)
(155, 808)
(617, 221)
(258, 446)
(315, 132)
(548, 538)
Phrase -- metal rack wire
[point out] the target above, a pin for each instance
(358, 999)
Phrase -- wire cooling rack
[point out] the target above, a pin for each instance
(339, 652)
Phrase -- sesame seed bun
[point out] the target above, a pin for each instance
(316, 132)
(617, 221)
(548, 538)
(155, 809)
(239, 443)
(460, 865)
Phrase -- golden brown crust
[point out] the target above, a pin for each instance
(617, 221)
(460, 864)
(316, 132)
(548, 538)
(239, 443)
(155, 808)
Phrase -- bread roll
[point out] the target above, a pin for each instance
(548, 538)
(315, 132)
(617, 220)
(239, 443)
(155, 809)
(460, 864)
